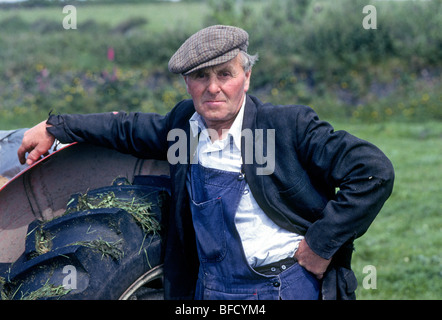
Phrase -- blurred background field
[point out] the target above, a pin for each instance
(382, 84)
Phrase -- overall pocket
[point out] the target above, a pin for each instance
(210, 229)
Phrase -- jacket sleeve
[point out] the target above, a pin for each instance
(140, 134)
(361, 173)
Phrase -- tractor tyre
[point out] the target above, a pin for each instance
(97, 253)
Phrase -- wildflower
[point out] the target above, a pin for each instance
(110, 54)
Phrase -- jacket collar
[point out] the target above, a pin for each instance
(249, 120)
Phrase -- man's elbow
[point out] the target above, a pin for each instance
(386, 175)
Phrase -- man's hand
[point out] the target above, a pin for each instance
(37, 141)
(310, 260)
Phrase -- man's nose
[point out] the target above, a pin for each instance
(213, 85)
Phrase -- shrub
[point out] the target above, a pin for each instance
(310, 52)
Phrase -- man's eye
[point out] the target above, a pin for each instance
(198, 75)
(225, 74)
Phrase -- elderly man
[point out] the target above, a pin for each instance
(241, 227)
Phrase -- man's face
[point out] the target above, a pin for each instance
(218, 92)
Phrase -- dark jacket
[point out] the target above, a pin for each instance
(327, 185)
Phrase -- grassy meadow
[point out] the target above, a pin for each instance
(405, 240)
(158, 15)
(382, 85)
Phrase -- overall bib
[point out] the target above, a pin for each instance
(224, 272)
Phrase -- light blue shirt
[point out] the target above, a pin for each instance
(263, 241)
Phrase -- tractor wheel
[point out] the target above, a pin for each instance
(106, 246)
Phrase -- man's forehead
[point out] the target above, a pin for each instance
(226, 66)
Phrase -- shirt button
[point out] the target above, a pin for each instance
(276, 284)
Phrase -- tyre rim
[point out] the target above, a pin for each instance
(151, 275)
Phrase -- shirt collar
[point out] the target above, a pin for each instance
(197, 124)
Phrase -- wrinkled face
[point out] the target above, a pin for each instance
(218, 92)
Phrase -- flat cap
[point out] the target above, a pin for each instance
(209, 47)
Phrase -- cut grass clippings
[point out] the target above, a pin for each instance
(106, 248)
(140, 210)
(48, 290)
(43, 241)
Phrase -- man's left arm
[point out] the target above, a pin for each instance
(360, 171)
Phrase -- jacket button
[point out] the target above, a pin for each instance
(276, 284)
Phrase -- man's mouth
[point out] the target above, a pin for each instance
(214, 102)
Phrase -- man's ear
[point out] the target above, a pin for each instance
(247, 82)
(187, 86)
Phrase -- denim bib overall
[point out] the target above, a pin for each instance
(224, 271)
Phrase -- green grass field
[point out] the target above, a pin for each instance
(405, 240)
(159, 16)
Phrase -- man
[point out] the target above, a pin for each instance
(241, 227)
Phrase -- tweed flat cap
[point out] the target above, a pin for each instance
(209, 47)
